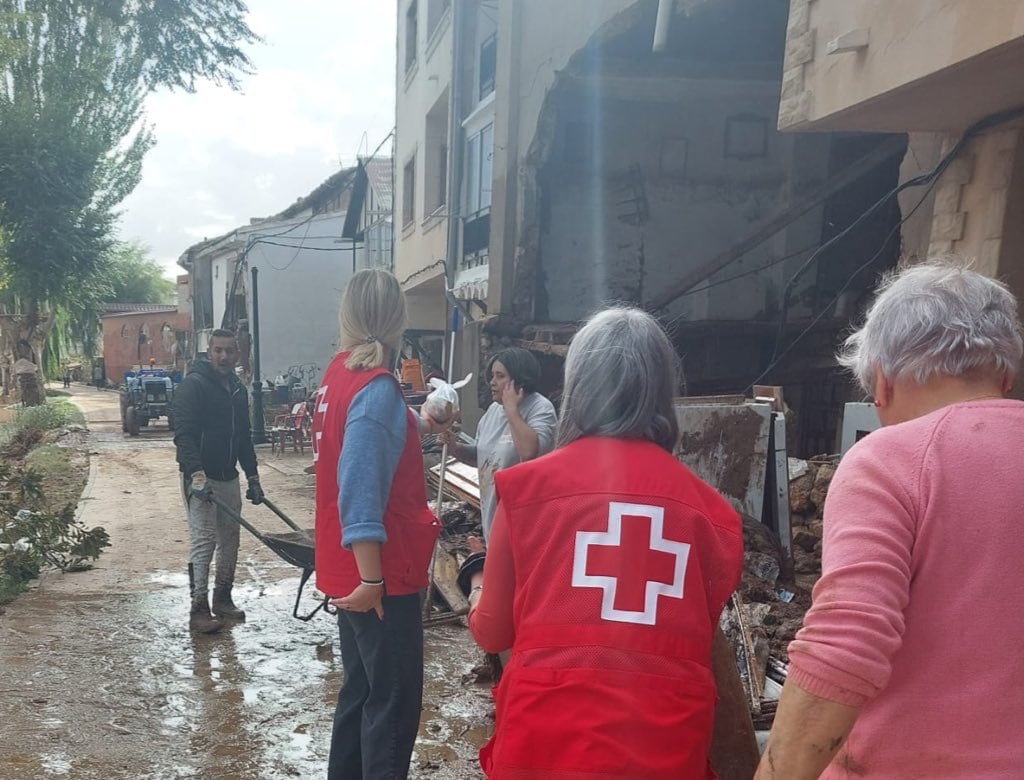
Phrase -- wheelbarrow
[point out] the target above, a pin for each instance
(295, 548)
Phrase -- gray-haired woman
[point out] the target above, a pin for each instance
(609, 564)
(908, 664)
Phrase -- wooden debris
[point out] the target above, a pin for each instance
(461, 482)
(446, 572)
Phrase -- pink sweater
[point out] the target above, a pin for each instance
(918, 618)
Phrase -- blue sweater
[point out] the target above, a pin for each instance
(375, 432)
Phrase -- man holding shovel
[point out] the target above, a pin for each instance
(211, 415)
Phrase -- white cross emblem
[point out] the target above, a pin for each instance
(609, 584)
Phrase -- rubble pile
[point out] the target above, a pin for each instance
(768, 608)
(808, 485)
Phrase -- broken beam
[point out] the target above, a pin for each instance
(781, 219)
(559, 350)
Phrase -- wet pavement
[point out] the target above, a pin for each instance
(100, 678)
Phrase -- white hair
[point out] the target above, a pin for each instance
(621, 375)
(938, 318)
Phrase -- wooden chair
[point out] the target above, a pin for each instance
(295, 426)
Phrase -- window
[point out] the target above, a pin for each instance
(436, 9)
(488, 65)
(411, 34)
(479, 170)
(409, 192)
(436, 161)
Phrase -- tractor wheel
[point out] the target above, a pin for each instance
(132, 420)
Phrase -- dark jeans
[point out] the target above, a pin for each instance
(379, 704)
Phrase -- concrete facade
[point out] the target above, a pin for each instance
(912, 65)
(423, 89)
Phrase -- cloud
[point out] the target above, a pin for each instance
(323, 91)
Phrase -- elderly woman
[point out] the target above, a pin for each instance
(909, 662)
(374, 534)
(610, 604)
(518, 426)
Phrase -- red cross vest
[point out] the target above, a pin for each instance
(623, 561)
(410, 526)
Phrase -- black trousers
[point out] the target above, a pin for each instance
(380, 701)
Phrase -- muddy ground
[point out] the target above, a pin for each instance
(100, 678)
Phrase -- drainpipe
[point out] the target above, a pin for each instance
(456, 148)
(661, 25)
(259, 430)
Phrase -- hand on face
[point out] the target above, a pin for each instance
(511, 396)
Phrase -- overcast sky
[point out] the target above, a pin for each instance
(323, 92)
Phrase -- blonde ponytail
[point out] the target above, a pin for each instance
(372, 318)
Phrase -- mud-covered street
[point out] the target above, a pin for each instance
(100, 678)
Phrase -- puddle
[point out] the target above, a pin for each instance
(113, 686)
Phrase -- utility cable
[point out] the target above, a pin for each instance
(778, 359)
(927, 178)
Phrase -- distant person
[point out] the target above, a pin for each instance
(608, 568)
(212, 436)
(517, 427)
(374, 534)
(67, 377)
(909, 661)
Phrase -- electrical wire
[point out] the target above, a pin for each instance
(420, 272)
(778, 359)
(927, 178)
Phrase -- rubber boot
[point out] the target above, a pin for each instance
(200, 620)
(224, 607)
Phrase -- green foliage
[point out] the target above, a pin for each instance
(32, 538)
(55, 413)
(132, 276)
(73, 78)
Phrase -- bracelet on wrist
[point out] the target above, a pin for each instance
(372, 583)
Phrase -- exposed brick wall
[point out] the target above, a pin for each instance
(130, 340)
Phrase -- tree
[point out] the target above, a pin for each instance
(73, 78)
(132, 276)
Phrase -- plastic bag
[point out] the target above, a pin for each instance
(442, 405)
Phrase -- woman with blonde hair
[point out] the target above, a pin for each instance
(909, 663)
(374, 533)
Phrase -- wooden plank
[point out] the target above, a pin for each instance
(770, 394)
(446, 572)
(699, 400)
(734, 753)
(781, 219)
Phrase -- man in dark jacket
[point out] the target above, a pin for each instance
(211, 434)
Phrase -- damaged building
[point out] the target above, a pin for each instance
(633, 156)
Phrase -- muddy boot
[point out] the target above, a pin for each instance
(224, 607)
(200, 620)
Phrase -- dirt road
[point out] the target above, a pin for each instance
(100, 678)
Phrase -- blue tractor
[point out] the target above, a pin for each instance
(147, 395)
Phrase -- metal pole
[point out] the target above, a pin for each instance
(259, 430)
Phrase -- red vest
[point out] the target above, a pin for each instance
(411, 527)
(623, 561)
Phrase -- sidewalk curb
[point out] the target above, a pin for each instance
(90, 481)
